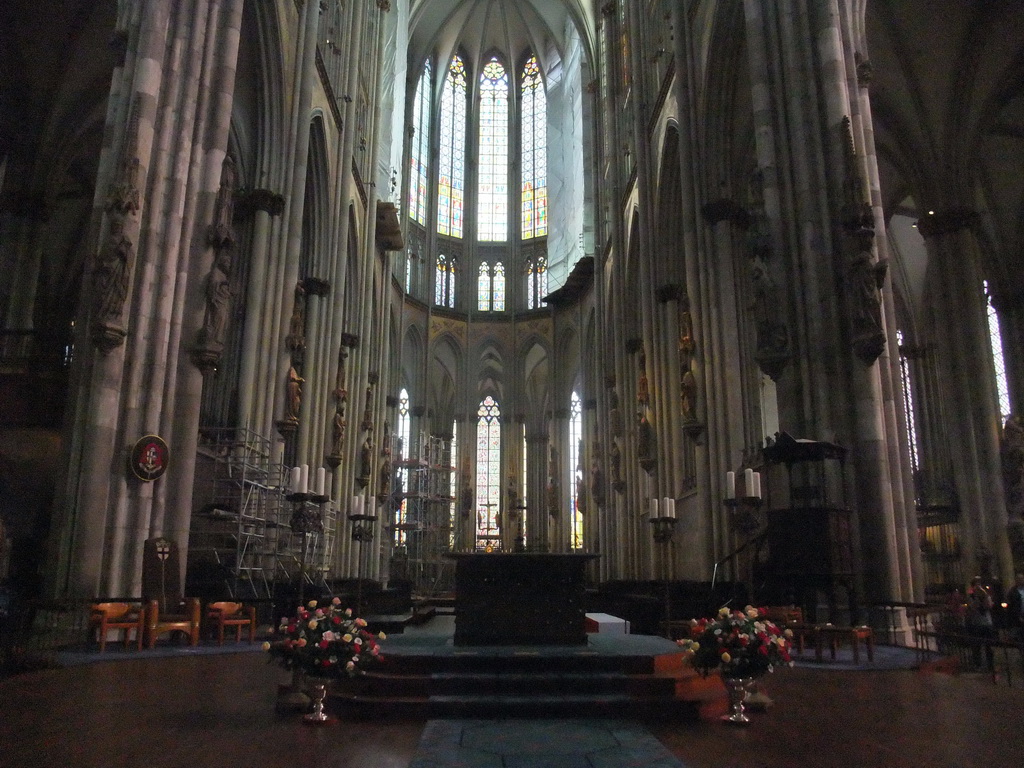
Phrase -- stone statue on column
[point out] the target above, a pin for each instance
(115, 261)
(221, 237)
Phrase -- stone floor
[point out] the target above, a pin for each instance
(218, 710)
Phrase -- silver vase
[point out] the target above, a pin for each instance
(737, 688)
(318, 715)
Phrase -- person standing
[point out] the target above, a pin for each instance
(978, 621)
(1015, 608)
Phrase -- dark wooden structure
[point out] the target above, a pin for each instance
(520, 598)
(811, 529)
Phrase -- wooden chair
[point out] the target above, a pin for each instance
(181, 618)
(223, 614)
(104, 617)
(166, 609)
(791, 617)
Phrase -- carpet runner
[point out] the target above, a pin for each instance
(521, 743)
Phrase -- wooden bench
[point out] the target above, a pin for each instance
(833, 635)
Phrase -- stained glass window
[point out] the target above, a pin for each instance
(534, 163)
(452, 157)
(908, 400)
(404, 426)
(453, 483)
(420, 150)
(444, 281)
(483, 288)
(492, 181)
(996, 339)
(536, 282)
(488, 473)
(490, 288)
(498, 288)
(576, 471)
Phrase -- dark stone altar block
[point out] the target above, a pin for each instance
(520, 598)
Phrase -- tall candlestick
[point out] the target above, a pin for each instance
(730, 485)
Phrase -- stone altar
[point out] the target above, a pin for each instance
(520, 598)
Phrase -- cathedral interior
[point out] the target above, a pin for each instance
(706, 288)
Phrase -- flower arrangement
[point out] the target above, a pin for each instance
(740, 643)
(325, 642)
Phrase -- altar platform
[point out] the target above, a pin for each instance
(427, 674)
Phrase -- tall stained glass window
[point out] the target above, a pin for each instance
(452, 157)
(996, 339)
(420, 150)
(453, 482)
(488, 473)
(534, 161)
(490, 288)
(483, 288)
(492, 189)
(498, 288)
(576, 470)
(404, 427)
(908, 400)
(536, 282)
(444, 282)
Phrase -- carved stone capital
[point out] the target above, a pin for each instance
(316, 286)
(669, 292)
(206, 359)
(723, 209)
(107, 337)
(248, 201)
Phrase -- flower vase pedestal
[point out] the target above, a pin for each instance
(737, 689)
(317, 716)
(292, 697)
(757, 700)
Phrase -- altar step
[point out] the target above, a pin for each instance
(480, 685)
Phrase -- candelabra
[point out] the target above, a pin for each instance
(663, 519)
(307, 519)
(362, 533)
(743, 511)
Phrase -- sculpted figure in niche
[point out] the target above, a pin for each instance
(337, 433)
(597, 478)
(218, 293)
(688, 395)
(113, 268)
(294, 393)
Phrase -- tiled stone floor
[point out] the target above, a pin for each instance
(540, 744)
(218, 710)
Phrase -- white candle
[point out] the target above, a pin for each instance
(757, 485)
(295, 480)
(321, 475)
(670, 507)
(304, 479)
(654, 509)
(748, 482)
(730, 485)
